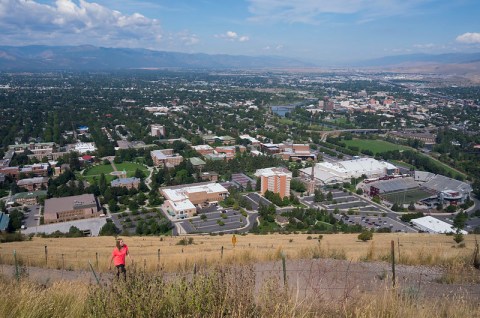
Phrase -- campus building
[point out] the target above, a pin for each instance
(182, 201)
(276, 180)
(343, 171)
(166, 158)
(33, 184)
(128, 183)
(28, 198)
(71, 208)
(157, 130)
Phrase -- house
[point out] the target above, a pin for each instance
(71, 208)
(281, 221)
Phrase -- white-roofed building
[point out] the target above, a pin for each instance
(182, 201)
(84, 147)
(432, 225)
(343, 171)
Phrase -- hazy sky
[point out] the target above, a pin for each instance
(312, 30)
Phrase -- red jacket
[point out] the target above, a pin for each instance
(119, 255)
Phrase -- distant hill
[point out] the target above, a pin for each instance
(417, 59)
(99, 58)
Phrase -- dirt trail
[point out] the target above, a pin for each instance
(325, 278)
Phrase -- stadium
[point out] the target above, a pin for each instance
(425, 187)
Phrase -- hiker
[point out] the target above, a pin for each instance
(118, 257)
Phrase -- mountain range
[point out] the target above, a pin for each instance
(87, 57)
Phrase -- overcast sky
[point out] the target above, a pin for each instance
(312, 30)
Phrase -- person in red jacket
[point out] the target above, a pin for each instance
(118, 257)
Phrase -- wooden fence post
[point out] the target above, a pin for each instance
(393, 263)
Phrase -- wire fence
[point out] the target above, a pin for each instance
(326, 277)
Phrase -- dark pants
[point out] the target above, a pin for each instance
(121, 269)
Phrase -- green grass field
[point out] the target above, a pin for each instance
(405, 197)
(129, 167)
(375, 146)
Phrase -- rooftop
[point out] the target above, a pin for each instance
(57, 205)
(435, 225)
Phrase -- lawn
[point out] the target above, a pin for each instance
(95, 172)
(375, 146)
(129, 167)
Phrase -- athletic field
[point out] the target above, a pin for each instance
(407, 196)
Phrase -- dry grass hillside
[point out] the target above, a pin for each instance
(335, 276)
(165, 252)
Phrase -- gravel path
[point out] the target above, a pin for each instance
(325, 278)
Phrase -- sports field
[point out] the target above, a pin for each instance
(375, 146)
(405, 197)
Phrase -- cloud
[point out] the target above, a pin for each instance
(69, 22)
(233, 36)
(311, 11)
(424, 46)
(469, 38)
(187, 39)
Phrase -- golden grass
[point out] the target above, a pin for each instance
(27, 299)
(219, 292)
(415, 249)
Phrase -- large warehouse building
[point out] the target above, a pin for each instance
(432, 225)
(343, 171)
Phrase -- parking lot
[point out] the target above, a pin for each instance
(255, 199)
(32, 216)
(367, 214)
(217, 221)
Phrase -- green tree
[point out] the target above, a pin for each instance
(411, 206)
(458, 237)
(15, 221)
(109, 229)
(329, 196)
(75, 232)
(365, 236)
